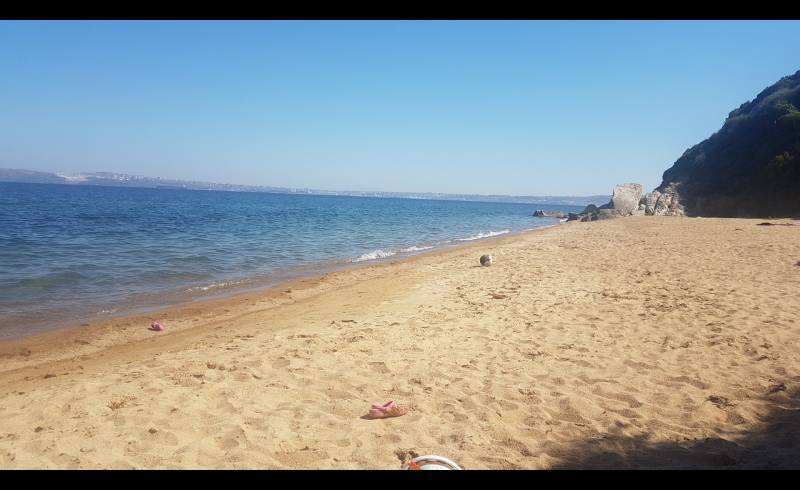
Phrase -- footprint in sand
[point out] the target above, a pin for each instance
(162, 437)
(567, 413)
(506, 405)
(734, 418)
(380, 367)
(335, 394)
(517, 446)
(700, 385)
(620, 397)
(226, 442)
(305, 456)
(226, 406)
(281, 362)
(720, 401)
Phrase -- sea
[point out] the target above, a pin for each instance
(71, 254)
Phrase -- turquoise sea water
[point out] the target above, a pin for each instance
(75, 253)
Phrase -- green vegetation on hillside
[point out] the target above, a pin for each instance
(751, 166)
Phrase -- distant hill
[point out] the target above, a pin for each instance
(125, 180)
(12, 175)
(751, 166)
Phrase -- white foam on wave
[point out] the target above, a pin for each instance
(416, 249)
(382, 254)
(214, 285)
(483, 235)
(375, 254)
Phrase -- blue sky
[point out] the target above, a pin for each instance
(525, 108)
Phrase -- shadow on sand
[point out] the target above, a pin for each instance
(776, 445)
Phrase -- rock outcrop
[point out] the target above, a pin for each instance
(625, 199)
(628, 200)
(624, 202)
(749, 168)
(548, 214)
(666, 203)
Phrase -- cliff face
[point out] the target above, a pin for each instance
(751, 166)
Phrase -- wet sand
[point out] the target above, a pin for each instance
(643, 342)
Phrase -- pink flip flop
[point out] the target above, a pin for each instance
(385, 406)
(389, 409)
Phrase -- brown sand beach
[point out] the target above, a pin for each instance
(643, 342)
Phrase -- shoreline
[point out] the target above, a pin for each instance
(221, 289)
(641, 342)
(59, 341)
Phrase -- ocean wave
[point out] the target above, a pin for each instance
(213, 285)
(483, 235)
(375, 254)
(416, 248)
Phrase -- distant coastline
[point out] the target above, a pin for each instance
(110, 179)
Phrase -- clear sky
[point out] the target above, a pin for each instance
(524, 108)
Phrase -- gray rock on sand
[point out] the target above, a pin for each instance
(486, 260)
(663, 203)
(607, 214)
(591, 208)
(626, 198)
(548, 214)
(650, 199)
(625, 202)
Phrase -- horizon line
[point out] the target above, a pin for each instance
(271, 189)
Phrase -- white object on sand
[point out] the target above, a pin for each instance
(431, 462)
(486, 260)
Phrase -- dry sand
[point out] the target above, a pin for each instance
(640, 342)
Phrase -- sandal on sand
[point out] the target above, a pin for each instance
(389, 409)
(385, 406)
